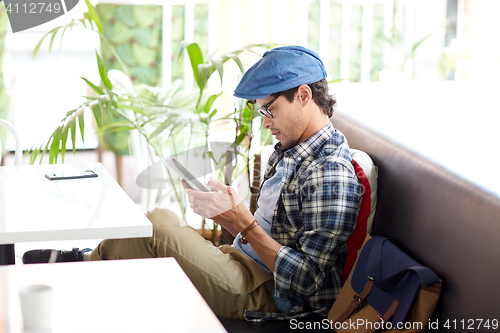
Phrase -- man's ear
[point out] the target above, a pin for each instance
(304, 94)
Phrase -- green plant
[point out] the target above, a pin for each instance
(160, 115)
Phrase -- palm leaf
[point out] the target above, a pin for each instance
(92, 13)
(81, 124)
(72, 127)
(64, 138)
(102, 72)
(93, 86)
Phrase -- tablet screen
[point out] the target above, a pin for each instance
(186, 175)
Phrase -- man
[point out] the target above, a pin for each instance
(287, 258)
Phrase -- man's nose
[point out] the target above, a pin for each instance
(267, 122)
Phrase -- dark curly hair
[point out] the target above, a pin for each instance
(320, 93)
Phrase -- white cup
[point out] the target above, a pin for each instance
(36, 306)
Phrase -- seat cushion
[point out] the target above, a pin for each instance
(367, 176)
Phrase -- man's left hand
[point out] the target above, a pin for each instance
(223, 204)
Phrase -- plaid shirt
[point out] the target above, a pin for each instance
(314, 216)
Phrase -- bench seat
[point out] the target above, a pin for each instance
(436, 217)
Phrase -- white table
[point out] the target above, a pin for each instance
(33, 208)
(141, 295)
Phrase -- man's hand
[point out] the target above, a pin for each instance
(226, 207)
(223, 204)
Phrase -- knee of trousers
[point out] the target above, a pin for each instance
(165, 217)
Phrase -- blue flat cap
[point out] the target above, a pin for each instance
(280, 69)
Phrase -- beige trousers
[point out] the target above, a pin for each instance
(228, 280)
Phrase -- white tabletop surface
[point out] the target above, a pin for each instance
(33, 208)
(141, 295)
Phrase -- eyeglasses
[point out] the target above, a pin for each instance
(264, 110)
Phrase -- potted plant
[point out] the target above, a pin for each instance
(166, 118)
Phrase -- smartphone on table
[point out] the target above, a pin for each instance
(70, 174)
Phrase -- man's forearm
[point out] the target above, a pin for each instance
(229, 227)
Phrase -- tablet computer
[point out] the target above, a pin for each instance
(185, 174)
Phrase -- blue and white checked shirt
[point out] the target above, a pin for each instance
(315, 215)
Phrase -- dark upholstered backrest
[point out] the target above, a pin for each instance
(439, 219)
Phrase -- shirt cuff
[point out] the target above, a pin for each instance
(285, 265)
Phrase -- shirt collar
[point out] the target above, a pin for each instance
(306, 148)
